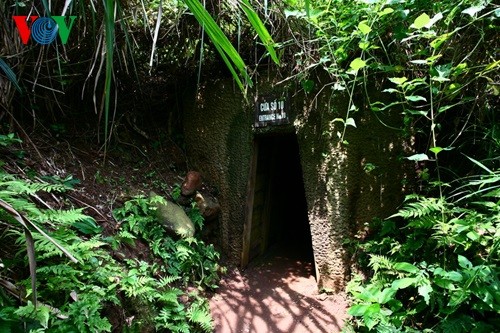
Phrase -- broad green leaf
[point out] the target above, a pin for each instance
(403, 283)
(472, 235)
(398, 80)
(434, 19)
(418, 157)
(444, 283)
(406, 267)
(472, 11)
(441, 72)
(364, 28)
(340, 120)
(357, 64)
(421, 21)
(436, 150)
(350, 122)
(386, 295)
(387, 10)
(364, 45)
(425, 291)
(454, 276)
(458, 297)
(464, 262)
(436, 43)
(357, 310)
(371, 316)
(415, 98)
(433, 58)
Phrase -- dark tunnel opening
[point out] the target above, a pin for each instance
(280, 220)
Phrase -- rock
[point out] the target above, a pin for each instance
(174, 219)
(208, 205)
(191, 183)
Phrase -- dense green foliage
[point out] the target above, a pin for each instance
(84, 295)
(433, 266)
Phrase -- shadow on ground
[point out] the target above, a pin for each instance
(276, 294)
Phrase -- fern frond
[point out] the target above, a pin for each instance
(20, 204)
(422, 207)
(167, 280)
(170, 296)
(378, 262)
(62, 217)
(25, 187)
(199, 314)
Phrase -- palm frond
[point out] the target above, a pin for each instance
(10, 74)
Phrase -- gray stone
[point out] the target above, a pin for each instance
(174, 219)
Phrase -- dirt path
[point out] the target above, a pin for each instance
(277, 294)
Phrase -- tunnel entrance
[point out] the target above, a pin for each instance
(277, 220)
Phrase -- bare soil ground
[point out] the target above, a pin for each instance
(276, 294)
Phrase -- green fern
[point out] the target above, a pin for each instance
(167, 280)
(422, 207)
(170, 296)
(199, 314)
(378, 262)
(62, 217)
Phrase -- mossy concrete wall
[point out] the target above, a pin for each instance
(218, 136)
(346, 184)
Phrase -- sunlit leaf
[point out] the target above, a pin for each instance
(364, 28)
(464, 262)
(418, 157)
(415, 98)
(386, 295)
(425, 291)
(406, 267)
(386, 11)
(398, 80)
(421, 21)
(357, 64)
(358, 310)
(419, 62)
(472, 11)
(403, 283)
(350, 122)
(364, 45)
(436, 150)
(433, 20)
